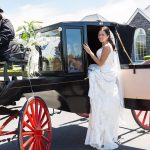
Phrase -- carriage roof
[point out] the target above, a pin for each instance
(84, 24)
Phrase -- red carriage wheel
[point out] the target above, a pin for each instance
(142, 118)
(34, 129)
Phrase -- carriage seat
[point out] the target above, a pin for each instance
(16, 57)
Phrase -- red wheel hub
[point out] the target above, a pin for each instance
(38, 133)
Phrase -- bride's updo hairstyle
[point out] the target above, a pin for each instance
(107, 31)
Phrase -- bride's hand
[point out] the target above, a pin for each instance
(87, 48)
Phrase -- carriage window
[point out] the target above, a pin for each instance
(51, 51)
(139, 44)
(74, 50)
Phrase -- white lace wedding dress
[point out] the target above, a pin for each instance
(103, 126)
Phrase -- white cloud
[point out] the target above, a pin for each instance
(113, 10)
(43, 13)
(121, 10)
(32, 12)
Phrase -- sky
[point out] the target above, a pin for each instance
(53, 11)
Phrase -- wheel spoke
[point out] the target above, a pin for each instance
(44, 124)
(27, 125)
(43, 146)
(28, 142)
(38, 144)
(144, 117)
(30, 119)
(33, 112)
(27, 121)
(35, 145)
(139, 113)
(45, 139)
(46, 130)
(40, 113)
(43, 116)
(36, 111)
(27, 133)
(32, 145)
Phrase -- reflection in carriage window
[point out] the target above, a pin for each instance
(74, 50)
(51, 51)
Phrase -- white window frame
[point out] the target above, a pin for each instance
(139, 37)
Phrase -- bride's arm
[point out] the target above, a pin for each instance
(104, 55)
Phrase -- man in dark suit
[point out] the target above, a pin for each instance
(7, 34)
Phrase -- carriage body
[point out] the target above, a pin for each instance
(66, 88)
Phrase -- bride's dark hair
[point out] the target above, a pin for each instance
(107, 31)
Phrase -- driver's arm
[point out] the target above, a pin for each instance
(6, 32)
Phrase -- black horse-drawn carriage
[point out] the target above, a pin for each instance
(61, 81)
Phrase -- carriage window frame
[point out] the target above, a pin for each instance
(139, 38)
(66, 50)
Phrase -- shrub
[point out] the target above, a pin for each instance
(147, 57)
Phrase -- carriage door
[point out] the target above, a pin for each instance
(76, 88)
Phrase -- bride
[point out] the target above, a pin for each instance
(105, 94)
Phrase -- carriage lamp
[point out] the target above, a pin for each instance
(100, 22)
(59, 29)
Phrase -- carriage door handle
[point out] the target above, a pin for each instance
(134, 69)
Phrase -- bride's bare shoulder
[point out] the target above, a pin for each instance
(106, 48)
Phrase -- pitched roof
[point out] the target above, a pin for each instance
(93, 17)
(145, 13)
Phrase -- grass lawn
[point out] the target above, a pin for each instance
(17, 71)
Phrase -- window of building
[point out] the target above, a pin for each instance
(140, 44)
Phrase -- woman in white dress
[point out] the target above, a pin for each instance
(105, 98)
